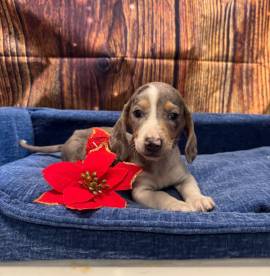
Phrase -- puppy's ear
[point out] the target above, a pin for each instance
(191, 144)
(118, 141)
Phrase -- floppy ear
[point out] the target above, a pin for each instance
(191, 144)
(118, 141)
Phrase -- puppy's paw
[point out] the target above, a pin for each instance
(180, 207)
(202, 203)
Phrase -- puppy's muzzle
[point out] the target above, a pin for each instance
(152, 146)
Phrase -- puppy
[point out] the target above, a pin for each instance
(147, 134)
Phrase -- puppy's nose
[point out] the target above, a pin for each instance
(153, 145)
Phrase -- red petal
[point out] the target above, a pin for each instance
(76, 195)
(97, 137)
(61, 175)
(114, 176)
(51, 198)
(99, 133)
(99, 160)
(84, 205)
(133, 171)
(111, 199)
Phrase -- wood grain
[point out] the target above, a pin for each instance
(228, 47)
(93, 54)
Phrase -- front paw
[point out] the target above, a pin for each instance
(202, 203)
(180, 207)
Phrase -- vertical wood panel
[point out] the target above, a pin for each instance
(227, 46)
(94, 54)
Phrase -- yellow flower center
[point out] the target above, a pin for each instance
(93, 183)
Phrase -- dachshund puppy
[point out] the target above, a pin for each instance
(147, 134)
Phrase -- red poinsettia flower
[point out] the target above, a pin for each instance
(97, 137)
(91, 183)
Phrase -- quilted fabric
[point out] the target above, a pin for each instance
(239, 182)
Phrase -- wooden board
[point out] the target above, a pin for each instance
(93, 54)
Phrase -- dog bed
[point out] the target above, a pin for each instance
(233, 166)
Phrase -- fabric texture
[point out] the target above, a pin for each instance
(236, 175)
(15, 124)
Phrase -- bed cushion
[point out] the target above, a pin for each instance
(215, 132)
(238, 181)
(232, 167)
(15, 124)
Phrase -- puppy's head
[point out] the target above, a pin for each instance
(155, 115)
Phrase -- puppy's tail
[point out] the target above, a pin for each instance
(44, 149)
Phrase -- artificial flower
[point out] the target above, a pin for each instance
(91, 183)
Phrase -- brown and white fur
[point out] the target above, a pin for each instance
(147, 134)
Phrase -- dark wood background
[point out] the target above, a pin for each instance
(93, 54)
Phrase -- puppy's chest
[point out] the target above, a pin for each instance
(164, 176)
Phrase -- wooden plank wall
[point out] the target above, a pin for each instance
(93, 54)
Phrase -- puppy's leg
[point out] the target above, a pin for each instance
(191, 193)
(145, 195)
(74, 148)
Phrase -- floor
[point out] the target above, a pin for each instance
(230, 267)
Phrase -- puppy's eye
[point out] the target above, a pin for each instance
(172, 116)
(138, 113)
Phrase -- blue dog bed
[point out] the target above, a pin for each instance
(233, 166)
